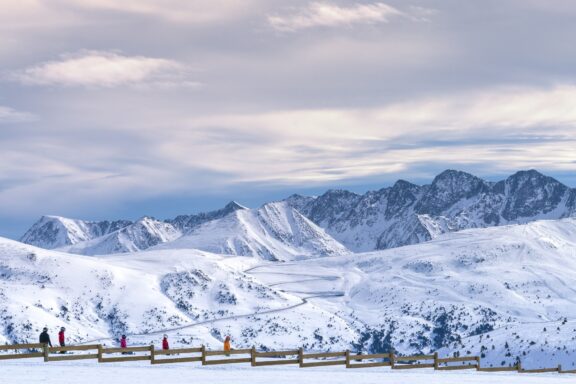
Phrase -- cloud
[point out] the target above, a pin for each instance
(10, 115)
(323, 14)
(101, 69)
(26, 13)
(502, 128)
(188, 11)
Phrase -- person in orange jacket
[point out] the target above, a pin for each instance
(227, 345)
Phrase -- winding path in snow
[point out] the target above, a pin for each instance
(304, 300)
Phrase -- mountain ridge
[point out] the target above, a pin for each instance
(402, 214)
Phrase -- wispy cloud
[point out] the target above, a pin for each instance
(10, 115)
(324, 14)
(102, 69)
(172, 10)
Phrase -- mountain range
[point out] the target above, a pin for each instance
(395, 216)
(460, 265)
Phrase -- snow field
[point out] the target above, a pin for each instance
(139, 372)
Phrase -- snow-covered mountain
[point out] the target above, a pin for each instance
(54, 231)
(273, 232)
(408, 214)
(185, 223)
(142, 234)
(194, 296)
(391, 217)
(503, 292)
(105, 237)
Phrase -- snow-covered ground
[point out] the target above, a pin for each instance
(503, 293)
(136, 372)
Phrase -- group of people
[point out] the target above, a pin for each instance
(45, 339)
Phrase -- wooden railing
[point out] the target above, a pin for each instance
(206, 353)
(323, 356)
(255, 358)
(360, 358)
(64, 357)
(412, 362)
(176, 352)
(32, 351)
(128, 354)
(448, 360)
(277, 355)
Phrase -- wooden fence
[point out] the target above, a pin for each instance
(255, 358)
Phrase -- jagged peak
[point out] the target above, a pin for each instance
(403, 184)
(452, 174)
(338, 193)
(531, 174)
(234, 206)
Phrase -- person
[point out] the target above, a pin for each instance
(45, 337)
(61, 338)
(227, 345)
(165, 345)
(124, 344)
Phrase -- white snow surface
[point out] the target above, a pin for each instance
(135, 237)
(137, 372)
(273, 232)
(503, 293)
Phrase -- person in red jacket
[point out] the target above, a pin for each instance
(124, 344)
(165, 344)
(62, 338)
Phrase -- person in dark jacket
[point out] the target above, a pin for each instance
(62, 338)
(45, 337)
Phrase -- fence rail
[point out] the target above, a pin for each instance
(295, 356)
(276, 355)
(406, 362)
(177, 352)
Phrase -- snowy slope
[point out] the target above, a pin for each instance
(439, 295)
(144, 233)
(273, 232)
(199, 296)
(407, 214)
(54, 231)
(482, 291)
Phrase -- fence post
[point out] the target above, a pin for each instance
(477, 363)
(203, 355)
(46, 352)
(152, 354)
(99, 353)
(347, 358)
(559, 368)
(253, 356)
(435, 360)
(519, 366)
(300, 357)
(392, 357)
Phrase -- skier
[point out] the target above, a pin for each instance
(61, 338)
(165, 345)
(227, 345)
(124, 344)
(45, 337)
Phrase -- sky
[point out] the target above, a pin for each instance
(119, 109)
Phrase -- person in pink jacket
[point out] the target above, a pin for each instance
(124, 344)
